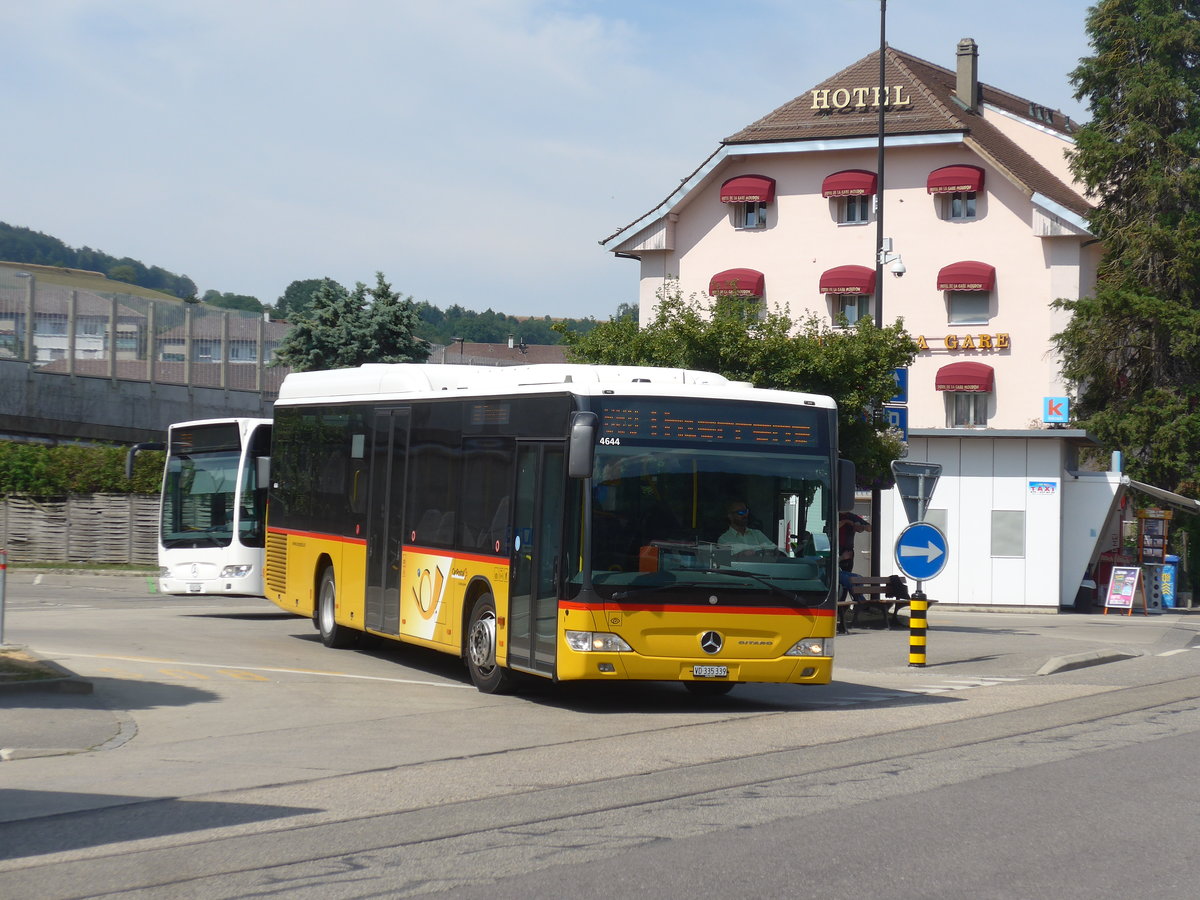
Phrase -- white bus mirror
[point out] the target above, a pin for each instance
(262, 470)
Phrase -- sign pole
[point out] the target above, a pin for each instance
(3, 575)
(918, 625)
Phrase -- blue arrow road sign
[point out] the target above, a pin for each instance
(921, 551)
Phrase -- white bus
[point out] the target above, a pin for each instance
(211, 526)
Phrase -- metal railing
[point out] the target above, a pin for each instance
(99, 333)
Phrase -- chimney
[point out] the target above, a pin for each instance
(967, 88)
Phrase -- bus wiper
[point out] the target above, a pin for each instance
(771, 586)
(654, 589)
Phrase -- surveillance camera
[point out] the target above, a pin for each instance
(898, 268)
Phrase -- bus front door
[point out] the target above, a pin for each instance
(537, 552)
(384, 501)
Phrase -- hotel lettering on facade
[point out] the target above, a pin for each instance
(991, 227)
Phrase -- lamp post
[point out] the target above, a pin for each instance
(880, 261)
(460, 341)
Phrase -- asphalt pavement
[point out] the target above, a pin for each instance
(63, 715)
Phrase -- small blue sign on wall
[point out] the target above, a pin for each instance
(1056, 410)
(901, 376)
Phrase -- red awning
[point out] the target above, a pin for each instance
(848, 280)
(746, 282)
(966, 276)
(953, 179)
(748, 189)
(850, 183)
(965, 376)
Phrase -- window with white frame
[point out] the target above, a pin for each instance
(852, 306)
(855, 210)
(959, 205)
(968, 307)
(750, 215)
(966, 409)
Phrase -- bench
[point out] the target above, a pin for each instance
(874, 593)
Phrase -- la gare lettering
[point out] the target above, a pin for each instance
(860, 98)
(969, 342)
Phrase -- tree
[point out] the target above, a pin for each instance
(734, 337)
(1132, 347)
(341, 328)
(232, 301)
(298, 297)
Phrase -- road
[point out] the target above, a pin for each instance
(241, 758)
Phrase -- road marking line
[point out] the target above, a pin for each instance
(149, 659)
(1180, 650)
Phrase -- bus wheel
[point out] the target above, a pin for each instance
(332, 634)
(486, 673)
(709, 688)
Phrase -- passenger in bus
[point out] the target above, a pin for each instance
(741, 539)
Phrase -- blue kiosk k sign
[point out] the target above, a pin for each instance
(921, 551)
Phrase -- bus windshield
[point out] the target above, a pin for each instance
(671, 519)
(201, 506)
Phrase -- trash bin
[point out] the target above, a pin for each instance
(1170, 572)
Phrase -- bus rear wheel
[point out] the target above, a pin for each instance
(486, 674)
(332, 634)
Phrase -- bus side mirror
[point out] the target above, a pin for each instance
(847, 476)
(581, 450)
(262, 470)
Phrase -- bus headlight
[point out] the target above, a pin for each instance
(596, 641)
(812, 647)
(235, 571)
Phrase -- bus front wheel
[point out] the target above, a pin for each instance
(332, 634)
(487, 675)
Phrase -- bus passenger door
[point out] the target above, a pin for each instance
(537, 555)
(385, 519)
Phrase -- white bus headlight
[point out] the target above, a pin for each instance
(812, 647)
(596, 641)
(236, 571)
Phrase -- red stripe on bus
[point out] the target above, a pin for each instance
(666, 608)
(473, 557)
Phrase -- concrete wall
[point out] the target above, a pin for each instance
(42, 404)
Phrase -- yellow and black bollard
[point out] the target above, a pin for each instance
(918, 610)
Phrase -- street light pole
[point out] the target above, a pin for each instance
(876, 494)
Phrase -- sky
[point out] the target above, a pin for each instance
(474, 151)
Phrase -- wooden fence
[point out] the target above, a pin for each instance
(81, 528)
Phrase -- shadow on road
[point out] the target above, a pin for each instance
(93, 820)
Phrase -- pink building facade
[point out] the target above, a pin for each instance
(987, 228)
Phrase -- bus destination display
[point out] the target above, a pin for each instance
(669, 422)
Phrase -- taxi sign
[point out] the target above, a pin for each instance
(921, 551)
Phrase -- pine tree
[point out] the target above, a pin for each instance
(1133, 348)
(342, 328)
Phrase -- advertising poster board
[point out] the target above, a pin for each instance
(1123, 587)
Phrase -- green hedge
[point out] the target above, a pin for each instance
(43, 471)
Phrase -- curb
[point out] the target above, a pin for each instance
(1083, 660)
(65, 682)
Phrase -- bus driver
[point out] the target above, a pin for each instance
(741, 539)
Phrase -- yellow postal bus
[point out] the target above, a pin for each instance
(563, 521)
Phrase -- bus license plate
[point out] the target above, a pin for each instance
(710, 671)
(195, 588)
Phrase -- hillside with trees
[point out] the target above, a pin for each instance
(23, 245)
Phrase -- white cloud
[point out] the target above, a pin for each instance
(473, 150)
